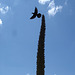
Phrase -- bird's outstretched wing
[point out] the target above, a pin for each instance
(38, 15)
(36, 10)
(33, 16)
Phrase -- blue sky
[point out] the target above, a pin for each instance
(19, 36)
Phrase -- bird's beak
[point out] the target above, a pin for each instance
(32, 13)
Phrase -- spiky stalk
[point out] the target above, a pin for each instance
(40, 52)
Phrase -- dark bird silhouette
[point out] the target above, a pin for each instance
(36, 14)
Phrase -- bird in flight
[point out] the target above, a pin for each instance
(36, 14)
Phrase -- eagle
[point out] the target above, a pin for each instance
(36, 14)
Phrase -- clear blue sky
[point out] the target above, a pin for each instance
(19, 36)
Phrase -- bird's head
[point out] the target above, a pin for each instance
(32, 13)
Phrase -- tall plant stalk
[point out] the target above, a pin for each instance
(41, 50)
